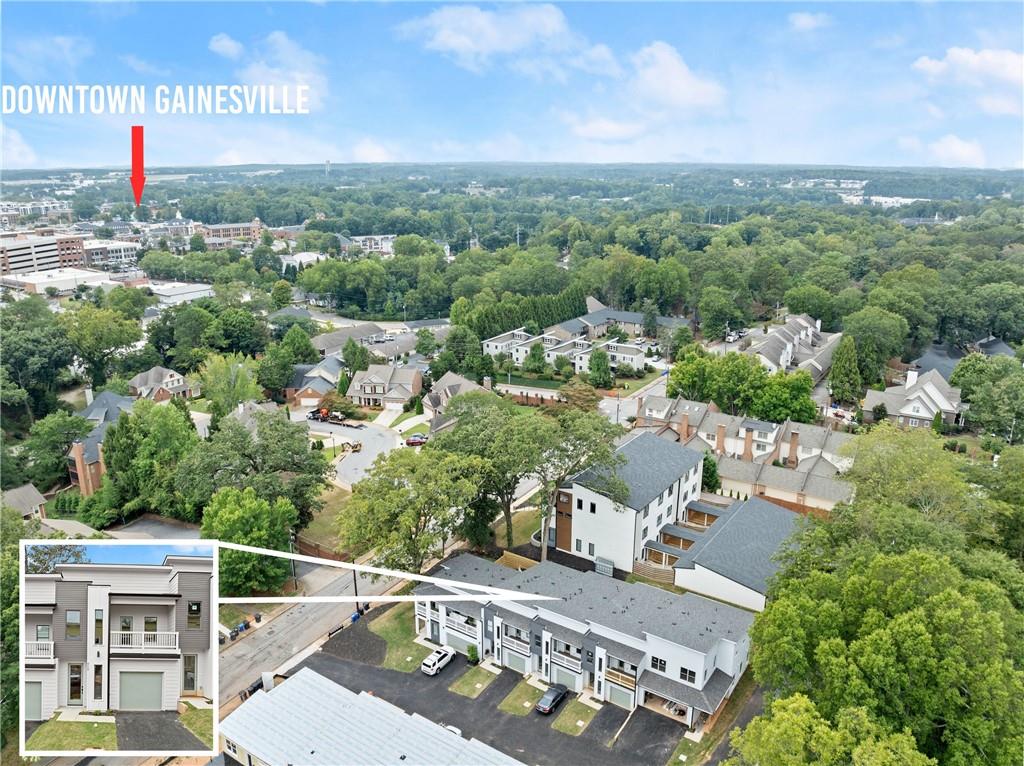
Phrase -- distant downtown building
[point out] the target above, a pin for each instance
(19, 255)
(111, 253)
(118, 636)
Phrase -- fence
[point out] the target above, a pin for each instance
(308, 547)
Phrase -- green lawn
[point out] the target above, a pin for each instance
(573, 711)
(397, 627)
(524, 524)
(521, 699)
(521, 380)
(632, 384)
(73, 735)
(697, 752)
(402, 418)
(419, 428)
(199, 405)
(466, 685)
(323, 529)
(199, 722)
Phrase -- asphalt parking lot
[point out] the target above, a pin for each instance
(648, 739)
(154, 731)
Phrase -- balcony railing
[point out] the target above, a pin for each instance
(459, 624)
(567, 661)
(144, 641)
(620, 678)
(516, 645)
(39, 650)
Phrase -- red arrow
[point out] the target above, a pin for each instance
(138, 171)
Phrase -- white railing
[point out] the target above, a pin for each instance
(567, 661)
(620, 678)
(144, 641)
(39, 650)
(516, 645)
(458, 623)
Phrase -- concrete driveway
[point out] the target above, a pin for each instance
(377, 440)
(154, 731)
(647, 740)
(150, 526)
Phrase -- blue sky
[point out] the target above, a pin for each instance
(869, 83)
(125, 553)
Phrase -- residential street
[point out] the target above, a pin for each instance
(376, 440)
(289, 633)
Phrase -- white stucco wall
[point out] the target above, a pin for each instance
(716, 586)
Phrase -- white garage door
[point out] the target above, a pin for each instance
(309, 402)
(458, 644)
(516, 662)
(619, 696)
(563, 676)
(33, 700)
(141, 691)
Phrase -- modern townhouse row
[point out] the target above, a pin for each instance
(628, 644)
(118, 636)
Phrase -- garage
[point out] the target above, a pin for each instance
(141, 691)
(562, 676)
(516, 662)
(309, 401)
(33, 700)
(460, 645)
(619, 696)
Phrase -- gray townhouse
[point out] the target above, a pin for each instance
(628, 644)
(118, 636)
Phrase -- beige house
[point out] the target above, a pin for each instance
(383, 385)
(917, 401)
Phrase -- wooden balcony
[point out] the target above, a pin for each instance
(620, 678)
(39, 651)
(143, 641)
(567, 661)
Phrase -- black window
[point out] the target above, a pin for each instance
(98, 639)
(195, 615)
(536, 640)
(72, 624)
(97, 683)
(658, 664)
(579, 545)
(593, 507)
(590, 549)
(579, 503)
(189, 673)
(685, 674)
(600, 664)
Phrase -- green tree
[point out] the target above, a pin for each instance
(534, 361)
(130, 302)
(717, 311)
(580, 395)
(510, 441)
(878, 335)
(227, 381)
(245, 518)
(426, 343)
(197, 243)
(710, 481)
(297, 343)
(812, 300)
(650, 324)
(44, 559)
(275, 368)
(281, 294)
(785, 396)
(357, 357)
(47, 446)
(409, 504)
(96, 335)
(844, 377)
(794, 733)
(599, 370)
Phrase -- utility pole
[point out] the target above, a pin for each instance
(291, 549)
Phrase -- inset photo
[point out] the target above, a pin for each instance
(118, 647)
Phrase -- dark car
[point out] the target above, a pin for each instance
(416, 440)
(552, 698)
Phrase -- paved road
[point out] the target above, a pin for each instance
(153, 527)
(288, 634)
(619, 409)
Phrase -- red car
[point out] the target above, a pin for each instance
(416, 440)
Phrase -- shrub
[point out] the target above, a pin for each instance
(472, 654)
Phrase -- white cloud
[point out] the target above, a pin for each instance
(1001, 105)
(43, 58)
(808, 22)
(910, 143)
(473, 36)
(935, 112)
(662, 79)
(975, 67)
(369, 150)
(603, 128)
(16, 151)
(283, 62)
(136, 64)
(889, 42)
(597, 59)
(953, 151)
(224, 45)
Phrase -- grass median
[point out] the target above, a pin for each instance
(57, 735)
(397, 627)
(521, 700)
(473, 682)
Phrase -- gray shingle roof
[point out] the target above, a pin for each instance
(308, 719)
(707, 699)
(650, 466)
(741, 544)
(24, 499)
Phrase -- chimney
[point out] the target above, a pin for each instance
(641, 413)
(748, 445)
(794, 447)
(268, 681)
(684, 426)
(720, 440)
(88, 395)
(487, 382)
(911, 378)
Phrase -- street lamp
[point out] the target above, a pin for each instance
(291, 549)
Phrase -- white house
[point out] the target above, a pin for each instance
(917, 401)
